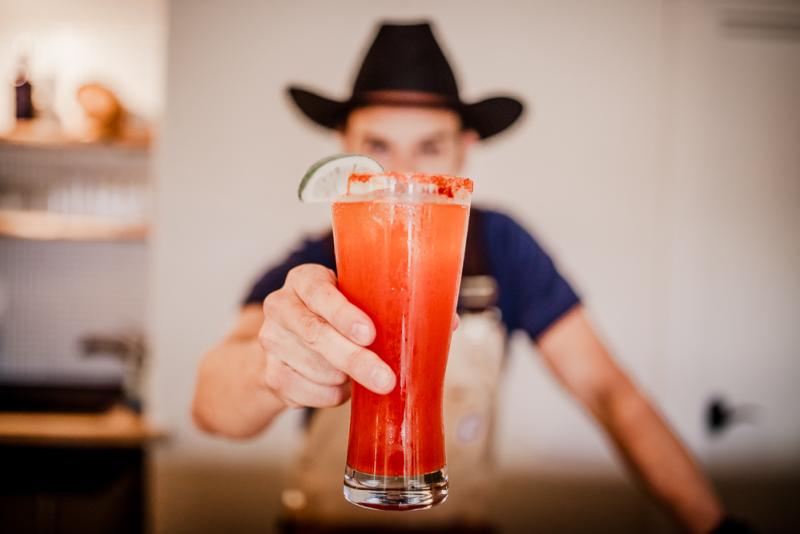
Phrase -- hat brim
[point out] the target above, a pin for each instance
(324, 111)
(487, 117)
(491, 116)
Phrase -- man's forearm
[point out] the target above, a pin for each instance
(658, 458)
(652, 451)
(230, 397)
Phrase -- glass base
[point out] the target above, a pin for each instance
(399, 493)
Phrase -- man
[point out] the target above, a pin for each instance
(299, 342)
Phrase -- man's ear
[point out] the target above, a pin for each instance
(341, 137)
(469, 138)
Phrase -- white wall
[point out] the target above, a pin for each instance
(120, 43)
(734, 261)
(592, 170)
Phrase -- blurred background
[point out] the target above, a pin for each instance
(149, 161)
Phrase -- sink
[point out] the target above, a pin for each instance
(58, 394)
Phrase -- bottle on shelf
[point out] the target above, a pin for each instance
(23, 92)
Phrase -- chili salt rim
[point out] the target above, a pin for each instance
(445, 185)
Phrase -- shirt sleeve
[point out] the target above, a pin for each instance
(318, 250)
(533, 294)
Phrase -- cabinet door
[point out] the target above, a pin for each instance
(71, 490)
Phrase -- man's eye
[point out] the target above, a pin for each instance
(430, 149)
(374, 146)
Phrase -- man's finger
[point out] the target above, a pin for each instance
(295, 389)
(364, 366)
(316, 287)
(287, 347)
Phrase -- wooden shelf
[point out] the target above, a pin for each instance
(118, 427)
(64, 142)
(70, 145)
(47, 226)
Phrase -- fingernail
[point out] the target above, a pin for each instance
(360, 333)
(382, 378)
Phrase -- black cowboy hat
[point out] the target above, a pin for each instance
(405, 66)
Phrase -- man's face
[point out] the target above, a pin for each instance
(411, 139)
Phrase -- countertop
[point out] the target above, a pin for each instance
(118, 427)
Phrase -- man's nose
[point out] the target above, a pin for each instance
(402, 163)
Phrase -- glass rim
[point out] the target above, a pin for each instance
(441, 186)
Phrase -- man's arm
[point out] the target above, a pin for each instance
(641, 436)
(230, 397)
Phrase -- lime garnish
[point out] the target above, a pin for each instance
(327, 178)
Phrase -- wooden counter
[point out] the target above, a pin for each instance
(118, 427)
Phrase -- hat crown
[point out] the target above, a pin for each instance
(406, 57)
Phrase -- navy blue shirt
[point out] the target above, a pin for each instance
(532, 293)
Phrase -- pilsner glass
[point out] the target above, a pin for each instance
(399, 242)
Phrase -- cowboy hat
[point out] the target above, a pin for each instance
(405, 66)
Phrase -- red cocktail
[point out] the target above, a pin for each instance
(399, 250)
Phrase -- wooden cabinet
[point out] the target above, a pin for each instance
(74, 473)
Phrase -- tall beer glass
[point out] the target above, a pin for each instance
(399, 242)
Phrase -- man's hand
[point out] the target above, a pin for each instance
(314, 338)
(301, 348)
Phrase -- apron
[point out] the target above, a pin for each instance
(314, 493)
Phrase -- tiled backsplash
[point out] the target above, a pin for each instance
(54, 293)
